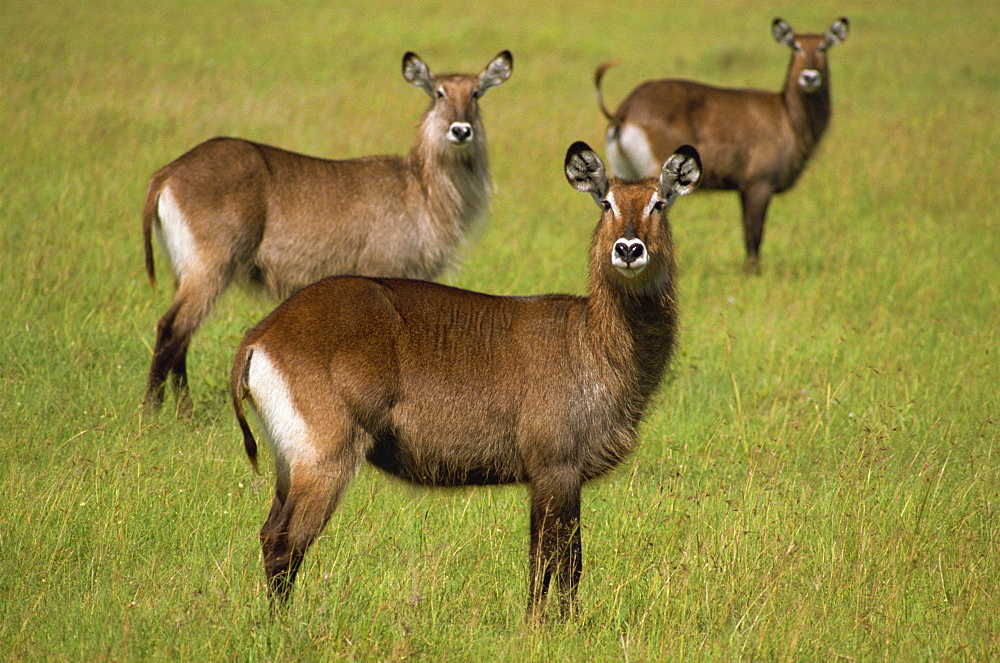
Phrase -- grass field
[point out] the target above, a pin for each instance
(819, 479)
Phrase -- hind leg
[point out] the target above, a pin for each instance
(306, 494)
(193, 302)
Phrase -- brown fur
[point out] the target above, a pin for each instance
(256, 213)
(447, 387)
(754, 141)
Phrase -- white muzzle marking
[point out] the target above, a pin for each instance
(810, 80)
(629, 257)
(460, 133)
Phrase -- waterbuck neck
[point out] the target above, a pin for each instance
(632, 331)
(455, 180)
(808, 112)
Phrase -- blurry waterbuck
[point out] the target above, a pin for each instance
(231, 210)
(447, 387)
(754, 141)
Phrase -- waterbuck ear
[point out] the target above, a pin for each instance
(836, 33)
(496, 72)
(783, 33)
(585, 171)
(681, 173)
(417, 73)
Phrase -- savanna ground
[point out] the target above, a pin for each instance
(819, 479)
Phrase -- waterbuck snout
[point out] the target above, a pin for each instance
(753, 141)
(629, 256)
(448, 387)
(232, 210)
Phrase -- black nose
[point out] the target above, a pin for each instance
(628, 252)
(461, 132)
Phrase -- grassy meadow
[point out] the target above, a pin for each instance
(819, 479)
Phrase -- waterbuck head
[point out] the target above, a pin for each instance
(454, 111)
(632, 243)
(809, 67)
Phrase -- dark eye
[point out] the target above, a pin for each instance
(605, 205)
(476, 94)
(440, 93)
(660, 205)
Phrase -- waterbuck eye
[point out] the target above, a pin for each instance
(476, 93)
(440, 93)
(605, 205)
(660, 205)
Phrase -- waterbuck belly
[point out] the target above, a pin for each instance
(464, 462)
(449, 446)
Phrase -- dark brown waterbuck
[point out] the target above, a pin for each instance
(754, 141)
(234, 210)
(447, 387)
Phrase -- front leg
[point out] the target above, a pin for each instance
(556, 547)
(755, 198)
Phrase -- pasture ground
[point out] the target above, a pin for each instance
(819, 479)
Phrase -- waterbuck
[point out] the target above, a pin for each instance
(447, 387)
(754, 141)
(232, 209)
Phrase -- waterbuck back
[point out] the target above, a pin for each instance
(231, 210)
(754, 141)
(443, 387)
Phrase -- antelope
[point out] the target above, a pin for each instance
(447, 387)
(233, 209)
(754, 141)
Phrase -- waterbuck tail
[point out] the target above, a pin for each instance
(148, 219)
(238, 389)
(598, 75)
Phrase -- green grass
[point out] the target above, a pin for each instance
(819, 479)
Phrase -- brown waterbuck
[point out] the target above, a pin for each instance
(754, 141)
(234, 210)
(447, 387)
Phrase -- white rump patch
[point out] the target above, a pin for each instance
(284, 427)
(174, 234)
(631, 156)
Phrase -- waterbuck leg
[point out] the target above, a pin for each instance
(755, 198)
(291, 527)
(169, 346)
(304, 499)
(556, 548)
(192, 304)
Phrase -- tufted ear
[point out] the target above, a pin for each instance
(681, 173)
(497, 71)
(783, 33)
(836, 33)
(585, 171)
(417, 73)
